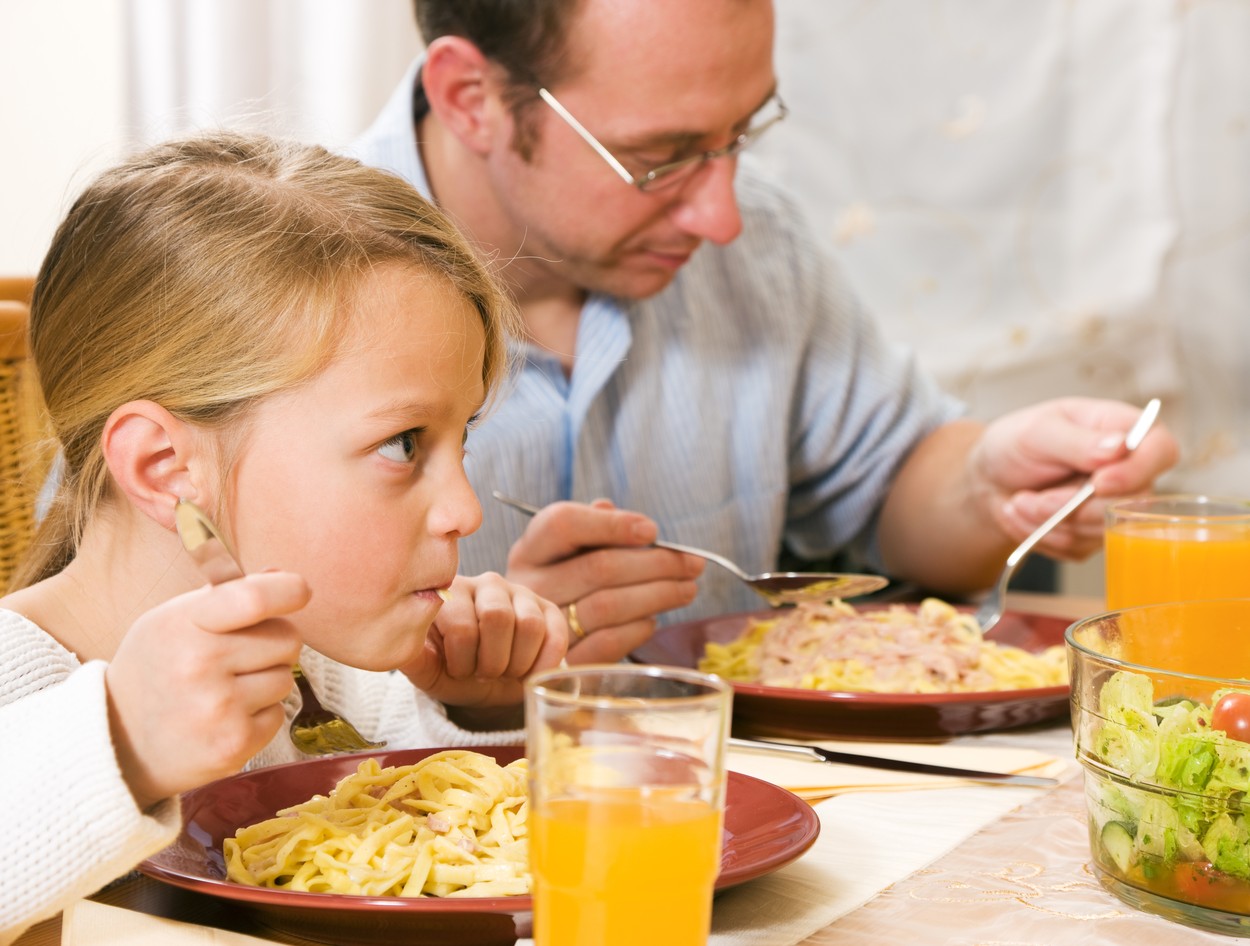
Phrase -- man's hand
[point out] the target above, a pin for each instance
(968, 494)
(1032, 460)
(598, 558)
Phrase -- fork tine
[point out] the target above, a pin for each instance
(330, 737)
(317, 731)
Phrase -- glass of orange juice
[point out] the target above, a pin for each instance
(627, 795)
(1176, 547)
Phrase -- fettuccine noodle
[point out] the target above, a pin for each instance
(832, 646)
(452, 825)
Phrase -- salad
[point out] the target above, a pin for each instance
(1168, 813)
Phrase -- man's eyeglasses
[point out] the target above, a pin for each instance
(674, 172)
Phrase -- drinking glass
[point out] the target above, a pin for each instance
(1177, 548)
(1180, 548)
(627, 794)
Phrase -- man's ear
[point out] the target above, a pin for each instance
(154, 458)
(461, 85)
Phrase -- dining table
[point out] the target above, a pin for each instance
(952, 862)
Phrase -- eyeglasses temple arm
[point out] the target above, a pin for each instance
(586, 136)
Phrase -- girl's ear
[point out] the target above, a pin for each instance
(155, 458)
(459, 84)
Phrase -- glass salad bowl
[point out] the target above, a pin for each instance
(1161, 715)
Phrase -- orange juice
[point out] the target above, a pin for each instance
(1154, 563)
(624, 869)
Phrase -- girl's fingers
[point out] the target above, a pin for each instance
(259, 690)
(493, 629)
(555, 641)
(529, 636)
(244, 602)
(272, 644)
(462, 640)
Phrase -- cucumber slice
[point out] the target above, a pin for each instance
(1117, 841)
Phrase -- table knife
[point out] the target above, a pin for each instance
(818, 754)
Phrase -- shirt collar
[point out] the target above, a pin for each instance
(391, 141)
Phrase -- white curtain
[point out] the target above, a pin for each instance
(1042, 198)
(317, 70)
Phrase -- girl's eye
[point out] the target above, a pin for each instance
(402, 448)
(473, 422)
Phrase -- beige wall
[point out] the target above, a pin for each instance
(61, 112)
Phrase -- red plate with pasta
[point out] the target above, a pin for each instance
(806, 713)
(766, 827)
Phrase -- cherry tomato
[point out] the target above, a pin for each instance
(1231, 716)
(1199, 882)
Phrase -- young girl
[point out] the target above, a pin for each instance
(299, 345)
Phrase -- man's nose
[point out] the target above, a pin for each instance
(708, 207)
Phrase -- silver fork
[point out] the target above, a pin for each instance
(314, 730)
(991, 609)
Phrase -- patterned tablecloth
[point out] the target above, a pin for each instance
(1025, 880)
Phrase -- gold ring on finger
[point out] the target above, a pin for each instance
(579, 632)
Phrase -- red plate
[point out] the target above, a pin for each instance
(766, 827)
(784, 711)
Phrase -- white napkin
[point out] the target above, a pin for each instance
(867, 842)
(88, 923)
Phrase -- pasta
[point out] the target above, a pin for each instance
(452, 825)
(832, 646)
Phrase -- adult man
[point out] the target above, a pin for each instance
(691, 356)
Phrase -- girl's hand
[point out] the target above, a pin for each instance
(488, 637)
(196, 686)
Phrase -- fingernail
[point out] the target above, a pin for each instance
(1111, 443)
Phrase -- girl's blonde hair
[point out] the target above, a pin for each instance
(207, 273)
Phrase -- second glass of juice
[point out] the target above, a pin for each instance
(627, 794)
(1180, 548)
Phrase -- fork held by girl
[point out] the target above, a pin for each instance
(299, 344)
